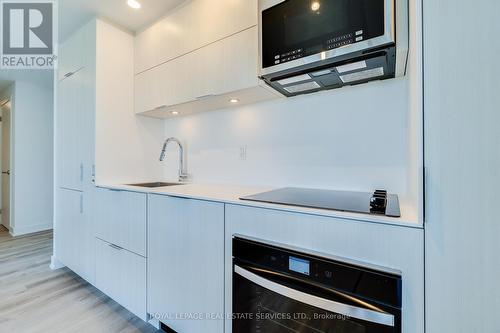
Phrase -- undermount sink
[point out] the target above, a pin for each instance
(155, 184)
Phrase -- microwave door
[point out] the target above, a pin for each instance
(299, 32)
(292, 307)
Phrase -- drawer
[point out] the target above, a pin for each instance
(121, 275)
(121, 219)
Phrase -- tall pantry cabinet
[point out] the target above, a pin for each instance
(94, 119)
(75, 142)
(462, 157)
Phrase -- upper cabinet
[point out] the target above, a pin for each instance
(190, 27)
(199, 64)
(76, 52)
(75, 111)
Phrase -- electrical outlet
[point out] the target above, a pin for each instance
(243, 153)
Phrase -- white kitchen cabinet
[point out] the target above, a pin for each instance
(462, 229)
(96, 125)
(73, 236)
(94, 116)
(240, 61)
(121, 219)
(194, 25)
(205, 66)
(204, 79)
(74, 158)
(74, 131)
(186, 261)
(121, 275)
(72, 56)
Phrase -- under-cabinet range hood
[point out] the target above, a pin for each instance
(312, 45)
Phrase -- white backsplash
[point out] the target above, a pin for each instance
(351, 138)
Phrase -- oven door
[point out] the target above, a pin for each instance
(299, 32)
(271, 302)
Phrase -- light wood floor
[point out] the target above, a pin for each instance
(34, 299)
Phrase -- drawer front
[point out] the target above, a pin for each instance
(121, 219)
(121, 275)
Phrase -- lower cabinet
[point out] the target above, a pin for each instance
(186, 263)
(121, 275)
(121, 219)
(74, 234)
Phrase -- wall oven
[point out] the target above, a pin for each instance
(302, 40)
(278, 290)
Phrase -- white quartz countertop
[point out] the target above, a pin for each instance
(231, 194)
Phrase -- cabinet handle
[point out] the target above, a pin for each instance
(81, 203)
(81, 172)
(116, 247)
(205, 96)
(69, 74)
(93, 173)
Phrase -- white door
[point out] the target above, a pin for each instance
(6, 171)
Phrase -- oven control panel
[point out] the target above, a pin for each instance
(334, 274)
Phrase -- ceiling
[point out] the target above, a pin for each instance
(74, 13)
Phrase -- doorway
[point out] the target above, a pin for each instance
(5, 179)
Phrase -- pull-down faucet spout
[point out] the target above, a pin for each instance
(183, 175)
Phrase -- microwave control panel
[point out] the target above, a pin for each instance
(330, 44)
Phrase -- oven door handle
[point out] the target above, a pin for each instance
(368, 315)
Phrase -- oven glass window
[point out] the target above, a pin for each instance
(298, 28)
(257, 309)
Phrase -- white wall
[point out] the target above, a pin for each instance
(355, 138)
(32, 116)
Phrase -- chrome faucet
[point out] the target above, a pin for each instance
(183, 175)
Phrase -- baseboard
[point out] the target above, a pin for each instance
(30, 229)
(55, 264)
(155, 323)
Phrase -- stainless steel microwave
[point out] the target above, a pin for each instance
(311, 45)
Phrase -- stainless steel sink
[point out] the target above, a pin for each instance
(155, 184)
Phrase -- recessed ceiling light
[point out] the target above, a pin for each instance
(134, 4)
(234, 100)
(315, 5)
(175, 113)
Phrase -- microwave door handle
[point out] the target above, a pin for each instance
(368, 315)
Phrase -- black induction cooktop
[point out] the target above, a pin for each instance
(378, 202)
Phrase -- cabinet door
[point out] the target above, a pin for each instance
(69, 60)
(240, 61)
(70, 116)
(76, 52)
(225, 66)
(177, 81)
(196, 24)
(207, 68)
(121, 275)
(148, 89)
(74, 130)
(69, 218)
(74, 232)
(186, 261)
(121, 219)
